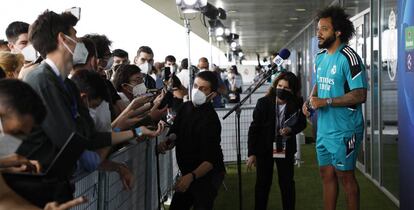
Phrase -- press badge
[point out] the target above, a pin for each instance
(279, 153)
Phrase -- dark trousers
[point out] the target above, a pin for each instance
(264, 174)
(200, 195)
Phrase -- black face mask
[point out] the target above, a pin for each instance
(283, 94)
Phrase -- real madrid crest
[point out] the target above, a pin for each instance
(333, 70)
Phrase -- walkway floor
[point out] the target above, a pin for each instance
(308, 189)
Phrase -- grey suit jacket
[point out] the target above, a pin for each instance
(62, 100)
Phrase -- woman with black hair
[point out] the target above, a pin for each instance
(272, 138)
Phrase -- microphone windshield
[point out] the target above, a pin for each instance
(172, 137)
(284, 54)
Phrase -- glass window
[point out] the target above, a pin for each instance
(374, 94)
(389, 111)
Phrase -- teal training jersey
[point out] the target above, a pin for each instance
(336, 75)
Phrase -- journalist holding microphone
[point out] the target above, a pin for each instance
(272, 138)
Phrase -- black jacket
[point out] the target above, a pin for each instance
(262, 129)
(198, 131)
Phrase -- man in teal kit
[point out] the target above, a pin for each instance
(339, 91)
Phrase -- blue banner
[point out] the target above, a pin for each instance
(406, 102)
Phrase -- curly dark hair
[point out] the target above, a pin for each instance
(102, 44)
(340, 21)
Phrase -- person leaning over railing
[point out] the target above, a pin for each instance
(94, 95)
(20, 109)
(54, 36)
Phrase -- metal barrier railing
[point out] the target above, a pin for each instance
(228, 132)
(104, 190)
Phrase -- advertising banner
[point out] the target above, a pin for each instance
(406, 102)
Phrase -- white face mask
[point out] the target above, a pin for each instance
(80, 55)
(198, 97)
(138, 90)
(29, 53)
(8, 143)
(145, 67)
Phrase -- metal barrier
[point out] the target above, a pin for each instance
(228, 132)
(104, 190)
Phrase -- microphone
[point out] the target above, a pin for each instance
(171, 139)
(279, 59)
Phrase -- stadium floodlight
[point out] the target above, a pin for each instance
(227, 32)
(219, 31)
(233, 44)
(191, 6)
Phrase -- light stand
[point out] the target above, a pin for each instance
(210, 40)
(190, 69)
(237, 108)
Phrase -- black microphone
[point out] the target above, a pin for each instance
(171, 139)
(279, 59)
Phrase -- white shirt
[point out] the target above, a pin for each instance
(53, 66)
(184, 77)
(281, 115)
(102, 117)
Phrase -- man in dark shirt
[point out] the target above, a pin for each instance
(198, 151)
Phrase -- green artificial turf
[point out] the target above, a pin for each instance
(308, 189)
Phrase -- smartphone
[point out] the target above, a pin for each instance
(148, 94)
(154, 91)
(167, 73)
(167, 100)
(76, 11)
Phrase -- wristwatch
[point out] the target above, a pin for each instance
(137, 132)
(329, 101)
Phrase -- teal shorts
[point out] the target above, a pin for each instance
(341, 152)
